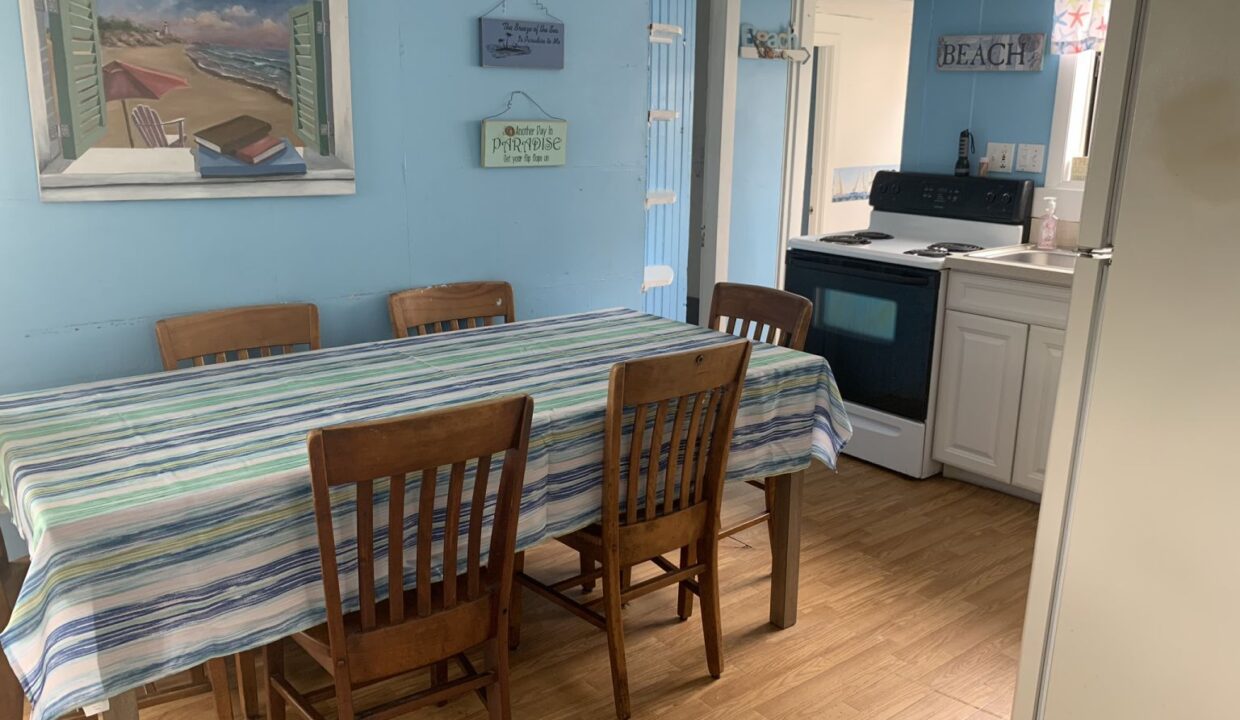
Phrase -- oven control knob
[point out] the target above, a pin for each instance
(990, 197)
(895, 188)
(1007, 198)
(882, 188)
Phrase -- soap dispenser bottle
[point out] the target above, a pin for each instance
(1049, 231)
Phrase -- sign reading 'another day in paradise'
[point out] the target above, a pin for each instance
(1014, 52)
(524, 143)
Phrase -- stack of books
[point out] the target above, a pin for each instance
(244, 147)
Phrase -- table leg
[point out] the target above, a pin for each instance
(122, 707)
(786, 550)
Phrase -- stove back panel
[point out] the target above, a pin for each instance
(1006, 202)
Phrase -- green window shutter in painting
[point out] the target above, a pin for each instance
(308, 66)
(79, 75)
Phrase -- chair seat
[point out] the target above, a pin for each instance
(646, 539)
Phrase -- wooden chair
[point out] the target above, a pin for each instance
(437, 620)
(222, 336)
(764, 315)
(12, 574)
(440, 308)
(234, 334)
(154, 130)
(674, 507)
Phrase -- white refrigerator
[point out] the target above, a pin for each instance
(1134, 604)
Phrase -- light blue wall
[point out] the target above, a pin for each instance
(81, 285)
(757, 172)
(996, 106)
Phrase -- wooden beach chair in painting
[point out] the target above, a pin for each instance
(152, 128)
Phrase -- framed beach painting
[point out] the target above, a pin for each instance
(162, 99)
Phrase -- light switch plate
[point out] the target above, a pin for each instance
(1002, 156)
(1030, 158)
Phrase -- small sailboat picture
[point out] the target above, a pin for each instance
(507, 47)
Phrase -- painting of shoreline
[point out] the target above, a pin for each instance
(211, 98)
(243, 72)
(154, 99)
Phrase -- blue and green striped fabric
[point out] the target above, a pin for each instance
(169, 516)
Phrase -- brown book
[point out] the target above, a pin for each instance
(260, 150)
(228, 137)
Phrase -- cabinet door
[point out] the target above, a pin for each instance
(1037, 407)
(979, 394)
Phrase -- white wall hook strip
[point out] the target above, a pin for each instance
(664, 115)
(664, 197)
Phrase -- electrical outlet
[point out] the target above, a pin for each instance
(1001, 155)
(1030, 158)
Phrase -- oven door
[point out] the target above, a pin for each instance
(875, 323)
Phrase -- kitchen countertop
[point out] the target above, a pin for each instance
(1001, 262)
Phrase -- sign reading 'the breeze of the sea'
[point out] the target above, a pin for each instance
(524, 143)
(537, 44)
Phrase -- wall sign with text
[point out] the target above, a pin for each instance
(1014, 52)
(536, 44)
(524, 143)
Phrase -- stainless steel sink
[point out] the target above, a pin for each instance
(1050, 259)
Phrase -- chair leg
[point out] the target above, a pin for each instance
(514, 604)
(247, 684)
(768, 488)
(612, 589)
(12, 700)
(499, 697)
(439, 676)
(712, 627)
(217, 670)
(684, 600)
(586, 565)
(273, 666)
(344, 695)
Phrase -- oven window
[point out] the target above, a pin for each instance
(861, 316)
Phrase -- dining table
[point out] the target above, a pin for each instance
(169, 516)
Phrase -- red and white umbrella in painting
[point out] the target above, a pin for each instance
(124, 82)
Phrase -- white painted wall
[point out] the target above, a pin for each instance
(867, 87)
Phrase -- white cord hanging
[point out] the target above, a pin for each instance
(512, 96)
(502, 6)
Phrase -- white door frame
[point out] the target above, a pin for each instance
(820, 129)
(797, 133)
(720, 118)
(1115, 96)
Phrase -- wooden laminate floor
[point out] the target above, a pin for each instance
(912, 597)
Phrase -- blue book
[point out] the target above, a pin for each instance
(214, 165)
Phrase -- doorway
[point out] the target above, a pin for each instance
(860, 80)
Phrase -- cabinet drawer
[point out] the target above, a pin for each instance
(1015, 300)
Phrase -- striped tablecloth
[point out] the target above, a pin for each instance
(169, 516)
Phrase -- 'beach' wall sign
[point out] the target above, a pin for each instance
(536, 44)
(524, 143)
(1014, 52)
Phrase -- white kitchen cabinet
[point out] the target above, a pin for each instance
(982, 368)
(1037, 407)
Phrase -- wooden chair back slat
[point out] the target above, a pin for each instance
(763, 314)
(237, 331)
(452, 524)
(396, 549)
(446, 308)
(366, 552)
(673, 455)
(688, 472)
(653, 466)
(708, 382)
(426, 510)
(150, 126)
(477, 506)
(635, 463)
(455, 439)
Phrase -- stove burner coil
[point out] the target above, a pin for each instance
(844, 240)
(951, 247)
